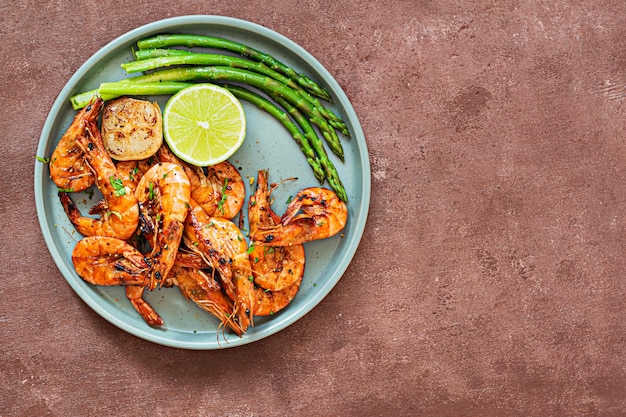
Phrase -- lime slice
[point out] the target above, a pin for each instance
(204, 124)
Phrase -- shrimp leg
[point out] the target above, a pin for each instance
(192, 283)
(134, 293)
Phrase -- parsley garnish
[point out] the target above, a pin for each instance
(250, 249)
(42, 160)
(220, 205)
(116, 213)
(118, 185)
(133, 173)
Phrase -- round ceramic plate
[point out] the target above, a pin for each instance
(268, 145)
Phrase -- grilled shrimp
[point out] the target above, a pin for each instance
(220, 192)
(220, 241)
(228, 188)
(102, 260)
(267, 303)
(202, 289)
(119, 213)
(274, 267)
(314, 213)
(163, 197)
(67, 168)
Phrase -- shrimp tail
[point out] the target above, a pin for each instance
(73, 213)
(134, 293)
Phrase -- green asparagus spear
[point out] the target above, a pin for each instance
(286, 121)
(160, 41)
(163, 88)
(329, 168)
(149, 59)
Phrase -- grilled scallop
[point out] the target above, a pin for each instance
(131, 129)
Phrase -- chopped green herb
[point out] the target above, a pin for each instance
(250, 249)
(90, 191)
(220, 205)
(42, 160)
(66, 190)
(132, 174)
(115, 213)
(250, 278)
(118, 185)
(289, 199)
(151, 191)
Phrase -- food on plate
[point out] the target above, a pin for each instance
(132, 129)
(277, 270)
(202, 288)
(102, 260)
(169, 65)
(170, 199)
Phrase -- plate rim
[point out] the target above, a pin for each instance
(277, 323)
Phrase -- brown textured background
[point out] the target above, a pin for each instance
(490, 278)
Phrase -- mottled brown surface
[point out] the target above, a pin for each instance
(490, 278)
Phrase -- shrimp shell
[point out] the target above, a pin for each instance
(163, 196)
(119, 212)
(102, 260)
(314, 213)
(67, 167)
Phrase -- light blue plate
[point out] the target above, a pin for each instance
(267, 145)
